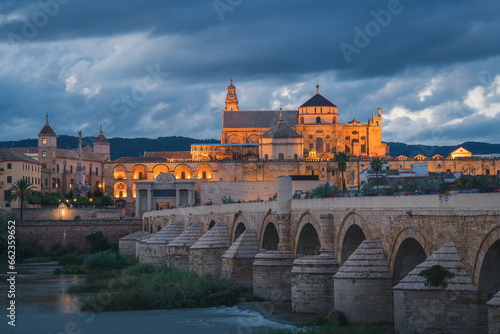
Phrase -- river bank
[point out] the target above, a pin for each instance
(42, 306)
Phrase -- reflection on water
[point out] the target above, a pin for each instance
(42, 306)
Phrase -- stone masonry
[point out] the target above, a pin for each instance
(494, 315)
(205, 254)
(363, 286)
(178, 249)
(312, 283)
(155, 251)
(237, 261)
(126, 245)
(428, 309)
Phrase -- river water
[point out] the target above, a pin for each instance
(43, 307)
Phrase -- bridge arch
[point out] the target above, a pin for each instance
(269, 236)
(409, 249)
(307, 235)
(353, 230)
(486, 273)
(239, 226)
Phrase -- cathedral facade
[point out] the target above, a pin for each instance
(316, 122)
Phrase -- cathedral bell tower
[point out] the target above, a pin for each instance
(231, 98)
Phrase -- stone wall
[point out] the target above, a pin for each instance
(435, 311)
(49, 233)
(238, 269)
(65, 213)
(248, 191)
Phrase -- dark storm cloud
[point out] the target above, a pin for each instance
(408, 57)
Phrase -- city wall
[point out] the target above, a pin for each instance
(63, 212)
(49, 232)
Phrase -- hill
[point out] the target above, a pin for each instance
(121, 147)
(134, 147)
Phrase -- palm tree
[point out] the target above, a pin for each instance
(341, 159)
(21, 189)
(376, 165)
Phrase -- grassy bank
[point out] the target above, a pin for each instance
(145, 287)
(337, 329)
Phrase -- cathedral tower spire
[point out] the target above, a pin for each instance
(231, 98)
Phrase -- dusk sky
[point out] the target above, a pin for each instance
(161, 68)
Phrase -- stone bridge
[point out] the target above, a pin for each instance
(291, 249)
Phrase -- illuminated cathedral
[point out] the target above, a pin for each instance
(311, 132)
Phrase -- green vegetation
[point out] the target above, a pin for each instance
(436, 276)
(227, 200)
(341, 159)
(324, 190)
(337, 329)
(425, 185)
(98, 242)
(105, 261)
(334, 322)
(376, 165)
(20, 190)
(145, 287)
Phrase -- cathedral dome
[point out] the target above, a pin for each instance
(318, 100)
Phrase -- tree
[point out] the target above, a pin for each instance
(21, 189)
(341, 159)
(376, 165)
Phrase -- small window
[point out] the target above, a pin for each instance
(97, 171)
(9, 179)
(487, 172)
(266, 157)
(295, 157)
(44, 154)
(318, 120)
(377, 123)
(9, 166)
(302, 120)
(44, 141)
(281, 156)
(58, 168)
(71, 169)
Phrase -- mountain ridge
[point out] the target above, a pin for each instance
(134, 147)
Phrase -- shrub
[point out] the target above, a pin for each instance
(98, 242)
(78, 218)
(105, 261)
(325, 190)
(436, 276)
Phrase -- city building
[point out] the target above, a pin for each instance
(14, 166)
(59, 166)
(258, 146)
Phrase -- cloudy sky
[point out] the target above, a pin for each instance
(153, 68)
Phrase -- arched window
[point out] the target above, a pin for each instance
(319, 144)
(318, 120)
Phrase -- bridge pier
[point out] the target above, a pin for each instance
(127, 244)
(139, 247)
(272, 268)
(155, 250)
(237, 261)
(178, 249)
(454, 308)
(494, 315)
(205, 255)
(272, 275)
(312, 283)
(363, 286)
